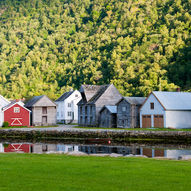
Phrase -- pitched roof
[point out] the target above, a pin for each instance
(32, 101)
(13, 103)
(135, 100)
(174, 100)
(65, 96)
(4, 99)
(98, 93)
(89, 91)
(80, 102)
(111, 108)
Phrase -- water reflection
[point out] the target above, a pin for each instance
(149, 151)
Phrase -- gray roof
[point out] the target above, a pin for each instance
(90, 92)
(65, 96)
(80, 102)
(174, 100)
(32, 101)
(112, 108)
(135, 100)
(98, 94)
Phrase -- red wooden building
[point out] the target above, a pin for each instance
(17, 147)
(16, 114)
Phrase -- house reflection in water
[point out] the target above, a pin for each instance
(41, 148)
(167, 153)
(96, 149)
(17, 147)
(149, 152)
(67, 148)
(1, 148)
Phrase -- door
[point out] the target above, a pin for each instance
(147, 152)
(44, 120)
(146, 121)
(158, 121)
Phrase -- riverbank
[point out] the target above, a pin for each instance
(70, 173)
(68, 132)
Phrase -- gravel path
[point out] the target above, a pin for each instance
(62, 128)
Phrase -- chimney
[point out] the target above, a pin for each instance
(178, 89)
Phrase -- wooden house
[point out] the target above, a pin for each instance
(166, 109)
(128, 112)
(108, 116)
(67, 109)
(43, 111)
(3, 103)
(94, 97)
(16, 114)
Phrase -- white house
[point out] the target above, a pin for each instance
(166, 109)
(67, 109)
(1, 148)
(3, 103)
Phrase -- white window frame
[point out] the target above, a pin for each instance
(16, 109)
(124, 108)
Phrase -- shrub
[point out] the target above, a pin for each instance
(5, 124)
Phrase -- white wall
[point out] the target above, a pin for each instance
(178, 119)
(3, 103)
(64, 109)
(158, 110)
(1, 148)
(176, 153)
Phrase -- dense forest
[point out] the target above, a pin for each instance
(50, 46)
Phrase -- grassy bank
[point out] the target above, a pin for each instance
(68, 173)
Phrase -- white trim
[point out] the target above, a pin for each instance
(16, 119)
(13, 105)
(41, 98)
(5, 99)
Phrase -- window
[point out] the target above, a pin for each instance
(16, 109)
(123, 108)
(152, 105)
(76, 95)
(69, 113)
(44, 110)
(69, 105)
(91, 110)
(57, 113)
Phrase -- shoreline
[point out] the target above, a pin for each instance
(60, 133)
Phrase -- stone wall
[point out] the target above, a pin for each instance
(114, 135)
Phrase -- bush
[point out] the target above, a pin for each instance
(5, 124)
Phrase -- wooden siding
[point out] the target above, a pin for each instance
(127, 115)
(91, 118)
(37, 116)
(107, 119)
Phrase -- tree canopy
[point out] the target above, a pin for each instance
(49, 46)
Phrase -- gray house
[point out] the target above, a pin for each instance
(43, 110)
(108, 116)
(94, 97)
(128, 112)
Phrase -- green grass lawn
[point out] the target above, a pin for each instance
(32, 172)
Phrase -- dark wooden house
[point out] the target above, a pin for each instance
(128, 112)
(108, 116)
(43, 110)
(94, 97)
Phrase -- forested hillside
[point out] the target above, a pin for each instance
(49, 46)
